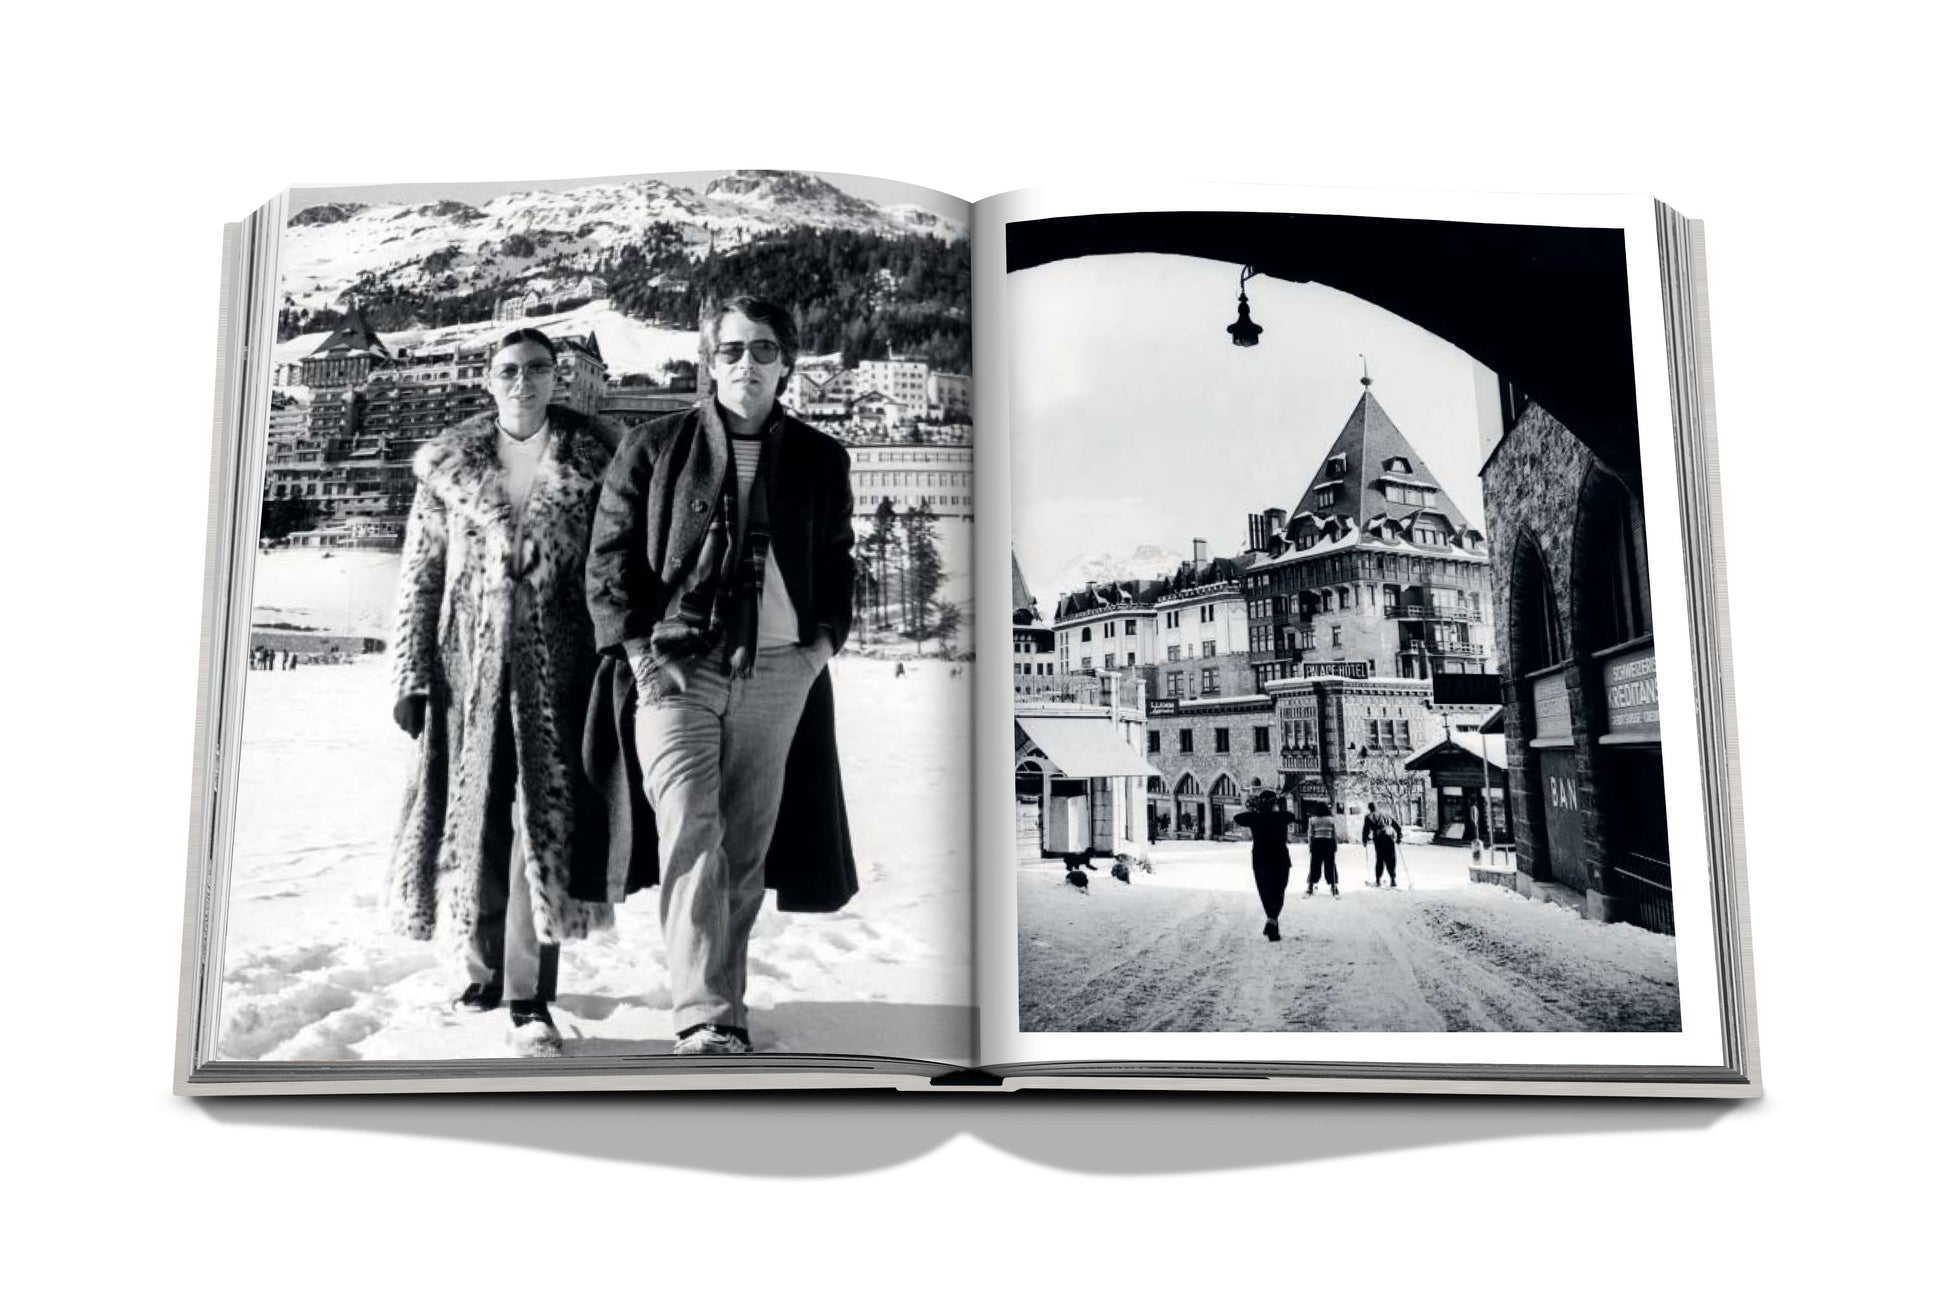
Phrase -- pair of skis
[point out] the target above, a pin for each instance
(1396, 857)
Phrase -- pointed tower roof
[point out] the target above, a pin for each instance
(1369, 454)
(1023, 598)
(353, 336)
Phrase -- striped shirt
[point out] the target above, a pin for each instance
(776, 617)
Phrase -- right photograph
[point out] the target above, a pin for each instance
(1334, 659)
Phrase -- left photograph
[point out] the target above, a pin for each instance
(609, 684)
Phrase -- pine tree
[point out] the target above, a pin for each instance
(924, 570)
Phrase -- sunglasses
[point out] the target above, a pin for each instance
(763, 351)
(535, 372)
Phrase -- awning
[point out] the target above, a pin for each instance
(1084, 746)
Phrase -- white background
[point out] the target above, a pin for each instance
(1807, 142)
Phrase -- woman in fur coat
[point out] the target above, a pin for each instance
(492, 663)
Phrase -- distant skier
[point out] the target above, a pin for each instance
(899, 672)
(1383, 830)
(1324, 852)
(1270, 856)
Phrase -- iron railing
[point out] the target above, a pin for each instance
(1642, 886)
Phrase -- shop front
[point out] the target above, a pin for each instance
(1628, 766)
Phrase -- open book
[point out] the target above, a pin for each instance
(609, 682)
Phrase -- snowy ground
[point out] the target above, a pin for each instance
(311, 972)
(1182, 950)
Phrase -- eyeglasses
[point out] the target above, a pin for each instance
(535, 372)
(763, 351)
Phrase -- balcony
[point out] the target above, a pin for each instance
(1430, 612)
(1412, 650)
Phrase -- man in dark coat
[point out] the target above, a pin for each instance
(720, 584)
(1383, 830)
(1270, 854)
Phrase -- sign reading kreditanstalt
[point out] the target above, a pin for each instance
(1629, 684)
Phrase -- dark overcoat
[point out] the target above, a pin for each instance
(656, 502)
(477, 614)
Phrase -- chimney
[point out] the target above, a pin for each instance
(1200, 547)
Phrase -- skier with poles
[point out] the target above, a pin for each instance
(1383, 830)
(1323, 833)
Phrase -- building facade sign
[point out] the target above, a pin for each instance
(1553, 718)
(1561, 796)
(1348, 670)
(1628, 683)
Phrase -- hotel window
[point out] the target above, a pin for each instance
(1108, 630)
(1206, 613)
(1222, 740)
(1337, 638)
(1326, 497)
(1155, 740)
(1209, 679)
(1373, 726)
(1087, 662)
(1185, 740)
(1175, 684)
(1336, 464)
(1128, 627)
(1260, 738)
(1087, 633)
(1209, 648)
(1175, 652)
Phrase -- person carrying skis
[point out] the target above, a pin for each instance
(1382, 829)
(1270, 858)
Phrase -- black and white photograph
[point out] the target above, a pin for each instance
(1334, 662)
(610, 626)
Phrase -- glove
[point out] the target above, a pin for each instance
(409, 714)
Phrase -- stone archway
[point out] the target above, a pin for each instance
(1535, 643)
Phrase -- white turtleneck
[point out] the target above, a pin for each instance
(520, 459)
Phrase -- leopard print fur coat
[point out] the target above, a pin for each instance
(476, 615)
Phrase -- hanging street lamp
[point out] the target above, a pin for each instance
(1245, 332)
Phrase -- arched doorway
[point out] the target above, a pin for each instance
(1189, 807)
(1548, 813)
(1224, 801)
(1614, 630)
(1029, 786)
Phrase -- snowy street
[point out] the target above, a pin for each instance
(312, 972)
(1182, 950)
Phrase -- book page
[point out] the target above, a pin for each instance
(1346, 576)
(442, 708)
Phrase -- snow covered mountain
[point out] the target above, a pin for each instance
(455, 247)
(1143, 563)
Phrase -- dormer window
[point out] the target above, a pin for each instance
(1335, 465)
(1326, 496)
(1398, 464)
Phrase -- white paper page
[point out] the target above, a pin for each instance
(1141, 970)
